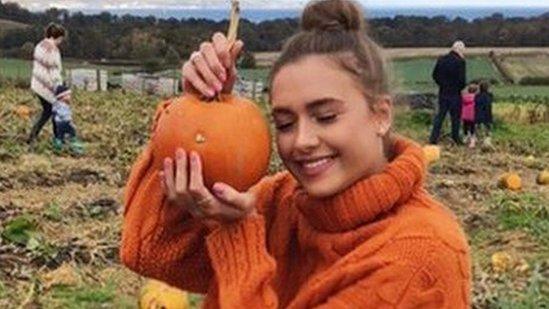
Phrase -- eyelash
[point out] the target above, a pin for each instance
(323, 120)
(284, 127)
(327, 119)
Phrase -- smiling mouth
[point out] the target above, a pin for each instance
(315, 167)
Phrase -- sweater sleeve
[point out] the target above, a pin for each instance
(462, 74)
(243, 268)
(160, 240)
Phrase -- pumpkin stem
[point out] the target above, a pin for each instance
(233, 30)
(234, 21)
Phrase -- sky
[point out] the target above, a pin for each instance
(280, 4)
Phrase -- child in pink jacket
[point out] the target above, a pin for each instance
(468, 114)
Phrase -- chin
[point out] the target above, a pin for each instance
(323, 189)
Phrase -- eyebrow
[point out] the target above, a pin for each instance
(309, 106)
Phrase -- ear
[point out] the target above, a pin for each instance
(383, 114)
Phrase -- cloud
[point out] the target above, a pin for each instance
(156, 4)
(39, 5)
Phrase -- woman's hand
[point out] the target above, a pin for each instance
(184, 187)
(212, 69)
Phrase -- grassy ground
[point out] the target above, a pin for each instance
(61, 216)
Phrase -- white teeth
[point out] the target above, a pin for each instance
(316, 163)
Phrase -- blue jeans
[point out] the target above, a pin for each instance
(452, 104)
(63, 128)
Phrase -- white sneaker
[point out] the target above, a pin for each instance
(473, 142)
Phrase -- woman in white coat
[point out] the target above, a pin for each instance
(46, 74)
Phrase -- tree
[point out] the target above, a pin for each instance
(172, 56)
(26, 51)
(247, 61)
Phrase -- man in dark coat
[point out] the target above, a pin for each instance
(449, 74)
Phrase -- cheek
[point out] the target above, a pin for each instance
(360, 144)
(284, 145)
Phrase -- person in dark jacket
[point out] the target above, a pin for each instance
(483, 111)
(449, 74)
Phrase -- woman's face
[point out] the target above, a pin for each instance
(327, 135)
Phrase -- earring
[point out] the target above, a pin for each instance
(381, 130)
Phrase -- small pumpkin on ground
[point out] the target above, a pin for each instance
(158, 295)
(501, 261)
(543, 177)
(511, 181)
(432, 153)
(23, 112)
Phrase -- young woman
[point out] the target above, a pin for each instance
(349, 225)
(46, 75)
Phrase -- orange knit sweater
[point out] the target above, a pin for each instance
(382, 243)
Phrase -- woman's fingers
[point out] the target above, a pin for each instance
(236, 49)
(181, 172)
(212, 69)
(184, 185)
(169, 179)
(205, 71)
(229, 195)
(208, 51)
(221, 46)
(191, 76)
(197, 190)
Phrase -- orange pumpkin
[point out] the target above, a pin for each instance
(23, 112)
(231, 136)
(511, 181)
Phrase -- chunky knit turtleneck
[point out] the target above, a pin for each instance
(382, 243)
(369, 197)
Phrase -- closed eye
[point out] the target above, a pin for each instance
(284, 127)
(326, 118)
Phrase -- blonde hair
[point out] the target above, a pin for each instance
(337, 29)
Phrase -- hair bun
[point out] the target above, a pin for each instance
(333, 15)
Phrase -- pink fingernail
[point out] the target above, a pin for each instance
(218, 190)
(218, 86)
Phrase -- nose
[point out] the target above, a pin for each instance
(307, 138)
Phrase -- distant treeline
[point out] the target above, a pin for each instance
(129, 37)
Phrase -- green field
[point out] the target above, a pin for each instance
(18, 68)
(526, 66)
(415, 74)
(15, 68)
(407, 75)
